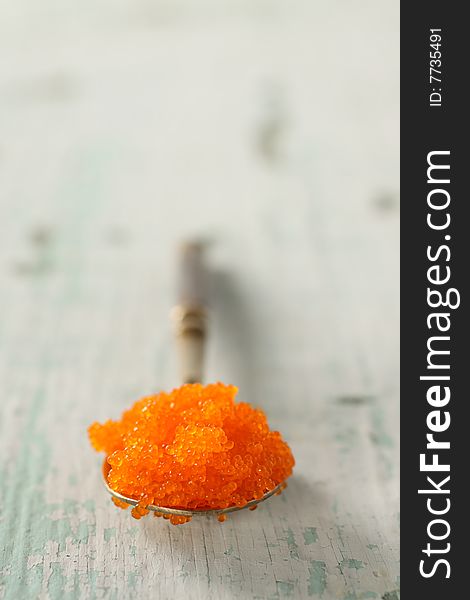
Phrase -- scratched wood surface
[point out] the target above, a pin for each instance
(271, 129)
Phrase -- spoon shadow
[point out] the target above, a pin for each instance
(234, 333)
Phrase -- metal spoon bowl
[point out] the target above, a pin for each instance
(164, 510)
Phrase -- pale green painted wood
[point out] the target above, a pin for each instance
(272, 128)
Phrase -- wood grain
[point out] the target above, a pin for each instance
(270, 129)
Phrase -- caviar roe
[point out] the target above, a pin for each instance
(192, 448)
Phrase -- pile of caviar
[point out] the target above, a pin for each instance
(193, 448)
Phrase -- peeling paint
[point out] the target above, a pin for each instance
(285, 589)
(89, 505)
(34, 579)
(70, 506)
(292, 544)
(84, 530)
(56, 583)
(109, 534)
(339, 530)
(60, 523)
(132, 580)
(317, 578)
(310, 535)
(350, 563)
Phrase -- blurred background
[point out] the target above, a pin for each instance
(269, 128)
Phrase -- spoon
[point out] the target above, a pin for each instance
(189, 317)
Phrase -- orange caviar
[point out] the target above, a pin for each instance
(192, 448)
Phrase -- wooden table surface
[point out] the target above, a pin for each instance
(271, 129)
